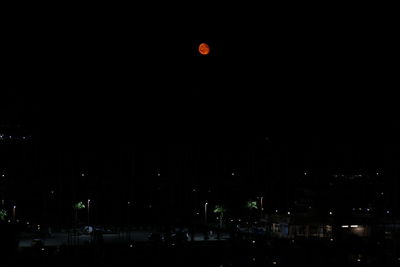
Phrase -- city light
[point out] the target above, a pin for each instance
(354, 226)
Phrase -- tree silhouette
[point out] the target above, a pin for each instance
(3, 215)
(219, 209)
(251, 205)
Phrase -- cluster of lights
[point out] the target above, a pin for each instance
(351, 177)
(10, 137)
(351, 226)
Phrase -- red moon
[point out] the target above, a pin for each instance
(204, 49)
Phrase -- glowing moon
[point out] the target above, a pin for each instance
(204, 49)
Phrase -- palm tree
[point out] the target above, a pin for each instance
(3, 215)
(251, 205)
(78, 206)
(220, 210)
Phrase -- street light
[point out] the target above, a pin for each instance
(261, 203)
(88, 212)
(205, 213)
(14, 208)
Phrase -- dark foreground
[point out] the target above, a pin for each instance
(218, 253)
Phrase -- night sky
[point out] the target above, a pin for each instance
(122, 100)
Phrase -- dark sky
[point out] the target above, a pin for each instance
(108, 78)
(289, 74)
(114, 73)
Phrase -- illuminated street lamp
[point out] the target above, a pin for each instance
(88, 212)
(205, 213)
(14, 211)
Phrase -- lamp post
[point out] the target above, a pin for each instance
(88, 213)
(205, 213)
(261, 206)
(14, 210)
